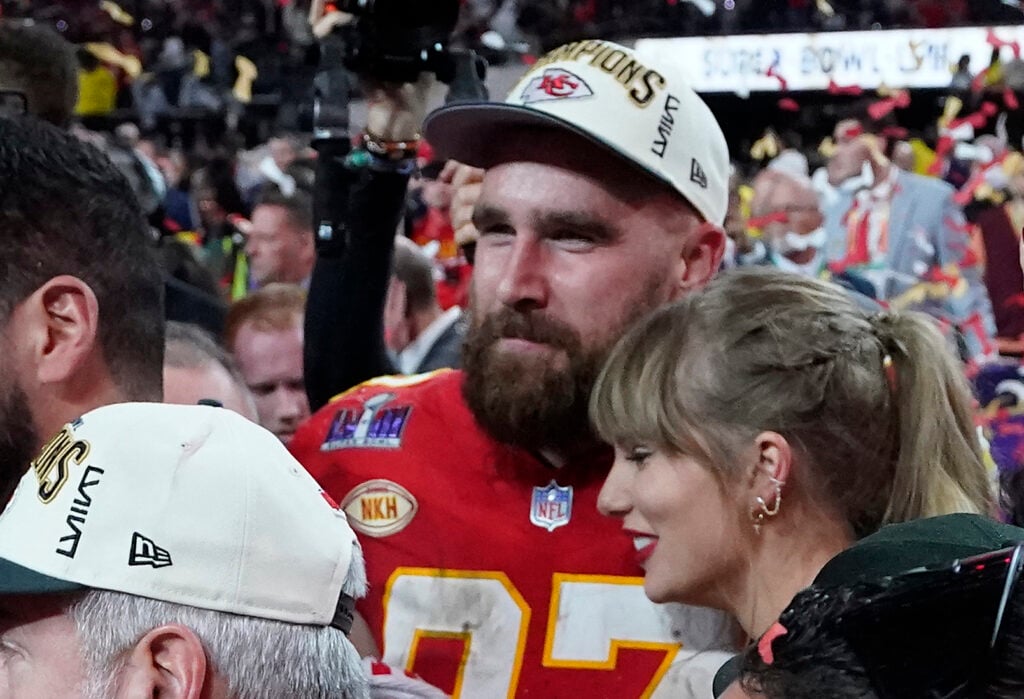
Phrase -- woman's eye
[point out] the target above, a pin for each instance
(638, 455)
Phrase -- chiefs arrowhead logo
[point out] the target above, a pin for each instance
(555, 84)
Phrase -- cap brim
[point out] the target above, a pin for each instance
(469, 132)
(19, 580)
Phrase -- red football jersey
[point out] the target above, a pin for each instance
(491, 573)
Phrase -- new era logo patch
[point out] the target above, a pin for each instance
(697, 175)
(555, 84)
(146, 553)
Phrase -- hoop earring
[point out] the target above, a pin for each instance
(767, 512)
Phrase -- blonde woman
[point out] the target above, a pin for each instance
(764, 425)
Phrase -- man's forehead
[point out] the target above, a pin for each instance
(574, 159)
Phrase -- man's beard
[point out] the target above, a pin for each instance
(18, 437)
(539, 402)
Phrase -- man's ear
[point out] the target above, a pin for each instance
(701, 257)
(169, 662)
(59, 323)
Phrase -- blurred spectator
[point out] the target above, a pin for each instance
(264, 333)
(97, 87)
(177, 205)
(995, 210)
(271, 164)
(197, 369)
(421, 335)
(962, 77)
(279, 244)
(38, 72)
(901, 238)
(218, 206)
(785, 209)
(191, 294)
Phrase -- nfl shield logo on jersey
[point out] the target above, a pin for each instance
(552, 506)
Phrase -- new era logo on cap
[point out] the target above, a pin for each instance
(555, 84)
(697, 175)
(145, 552)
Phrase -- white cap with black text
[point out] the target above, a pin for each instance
(188, 504)
(642, 110)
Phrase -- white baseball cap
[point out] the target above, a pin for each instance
(187, 504)
(641, 110)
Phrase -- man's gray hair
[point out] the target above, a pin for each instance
(258, 658)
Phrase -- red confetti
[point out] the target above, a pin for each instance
(853, 131)
(788, 104)
(995, 42)
(834, 89)
(1014, 301)
(966, 194)
(1010, 99)
(771, 73)
(978, 84)
(964, 228)
(895, 132)
(942, 149)
(762, 221)
(936, 275)
(899, 100)
(978, 119)
(975, 325)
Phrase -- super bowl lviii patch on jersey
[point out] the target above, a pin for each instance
(551, 506)
(379, 508)
(377, 425)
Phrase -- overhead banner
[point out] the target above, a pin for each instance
(779, 62)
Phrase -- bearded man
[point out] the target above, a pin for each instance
(492, 573)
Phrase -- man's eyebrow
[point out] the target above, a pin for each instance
(581, 222)
(486, 214)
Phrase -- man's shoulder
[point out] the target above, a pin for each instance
(441, 384)
(383, 403)
(911, 182)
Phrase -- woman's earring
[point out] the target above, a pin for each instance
(764, 510)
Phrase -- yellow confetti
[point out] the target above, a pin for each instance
(766, 147)
(923, 156)
(827, 147)
(108, 54)
(825, 8)
(246, 75)
(117, 13)
(200, 64)
(950, 110)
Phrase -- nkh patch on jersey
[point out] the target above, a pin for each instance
(555, 84)
(377, 425)
(551, 506)
(379, 507)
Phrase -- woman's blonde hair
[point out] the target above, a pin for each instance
(877, 408)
